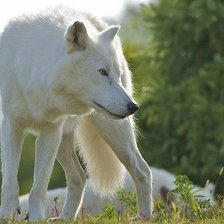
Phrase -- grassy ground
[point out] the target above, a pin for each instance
(93, 220)
(167, 214)
(187, 208)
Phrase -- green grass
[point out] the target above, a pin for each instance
(214, 215)
(198, 212)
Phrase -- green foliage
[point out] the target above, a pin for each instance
(181, 65)
(108, 212)
(187, 208)
(128, 200)
(189, 196)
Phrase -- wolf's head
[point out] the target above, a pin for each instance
(98, 60)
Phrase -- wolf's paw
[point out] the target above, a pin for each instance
(10, 213)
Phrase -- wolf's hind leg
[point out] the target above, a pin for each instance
(75, 176)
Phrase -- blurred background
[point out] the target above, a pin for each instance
(176, 53)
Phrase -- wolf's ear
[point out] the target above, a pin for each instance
(76, 37)
(108, 34)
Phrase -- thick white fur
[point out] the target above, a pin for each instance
(93, 203)
(52, 83)
(101, 162)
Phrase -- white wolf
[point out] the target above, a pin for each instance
(163, 182)
(61, 70)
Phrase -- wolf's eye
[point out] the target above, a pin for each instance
(103, 72)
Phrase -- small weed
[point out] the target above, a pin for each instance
(128, 202)
(192, 207)
(108, 212)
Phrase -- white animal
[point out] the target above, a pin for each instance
(63, 71)
(93, 203)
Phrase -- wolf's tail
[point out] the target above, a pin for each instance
(104, 168)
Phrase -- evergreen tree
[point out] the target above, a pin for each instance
(182, 116)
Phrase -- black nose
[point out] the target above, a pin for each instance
(132, 107)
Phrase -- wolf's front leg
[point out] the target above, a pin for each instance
(11, 142)
(46, 150)
(119, 134)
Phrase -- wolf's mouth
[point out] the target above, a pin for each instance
(114, 115)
